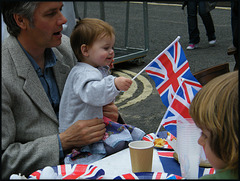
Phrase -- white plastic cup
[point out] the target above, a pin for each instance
(188, 149)
(141, 153)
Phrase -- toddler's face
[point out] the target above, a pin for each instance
(102, 53)
(204, 141)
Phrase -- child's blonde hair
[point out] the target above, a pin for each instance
(86, 31)
(215, 108)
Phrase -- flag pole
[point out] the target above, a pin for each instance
(157, 56)
(155, 135)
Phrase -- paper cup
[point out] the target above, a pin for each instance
(141, 153)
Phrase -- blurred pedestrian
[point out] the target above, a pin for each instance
(202, 7)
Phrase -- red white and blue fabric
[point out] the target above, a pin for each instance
(149, 137)
(170, 165)
(167, 71)
(179, 107)
(73, 171)
(115, 138)
(148, 176)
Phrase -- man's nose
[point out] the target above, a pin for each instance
(62, 19)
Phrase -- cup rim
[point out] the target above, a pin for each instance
(150, 144)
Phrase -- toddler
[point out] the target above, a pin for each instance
(89, 87)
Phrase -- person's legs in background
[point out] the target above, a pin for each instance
(193, 30)
(207, 21)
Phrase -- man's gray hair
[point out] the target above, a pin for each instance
(26, 9)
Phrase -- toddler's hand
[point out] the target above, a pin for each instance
(122, 83)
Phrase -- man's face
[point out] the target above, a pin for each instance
(48, 21)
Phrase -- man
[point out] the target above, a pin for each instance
(36, 60)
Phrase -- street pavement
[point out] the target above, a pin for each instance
(141, 106)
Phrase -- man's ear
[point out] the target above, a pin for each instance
(84, 50)
(21, 21)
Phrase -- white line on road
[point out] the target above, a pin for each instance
(128, 94)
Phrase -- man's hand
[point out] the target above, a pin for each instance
(111, 111)
(82, 132)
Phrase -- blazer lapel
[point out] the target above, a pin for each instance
(34, 89)
(32, 85)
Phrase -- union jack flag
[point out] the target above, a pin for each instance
(175, 84)
(73, 171)
(167, 71)
(179, 108)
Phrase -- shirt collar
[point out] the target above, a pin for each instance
(49, 57)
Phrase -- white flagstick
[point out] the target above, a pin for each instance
(155, 135)
(182, 80)
(156, 57)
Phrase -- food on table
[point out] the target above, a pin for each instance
(163, 142)
(159, 142)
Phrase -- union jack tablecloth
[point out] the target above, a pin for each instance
(148, 176)
(170, 165)
(74, 171)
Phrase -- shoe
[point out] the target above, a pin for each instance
(212, 42)
(192, 46)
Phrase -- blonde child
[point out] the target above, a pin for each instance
(89, 87)
(214, 109)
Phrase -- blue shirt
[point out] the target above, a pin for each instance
(48, 82)
(47, 77)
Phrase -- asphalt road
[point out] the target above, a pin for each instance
(141, 106)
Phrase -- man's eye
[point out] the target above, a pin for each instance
(51, 14)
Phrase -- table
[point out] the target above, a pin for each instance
(120, 163)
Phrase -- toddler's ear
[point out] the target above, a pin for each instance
(84, 50)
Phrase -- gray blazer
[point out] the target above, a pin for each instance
(29, 123)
